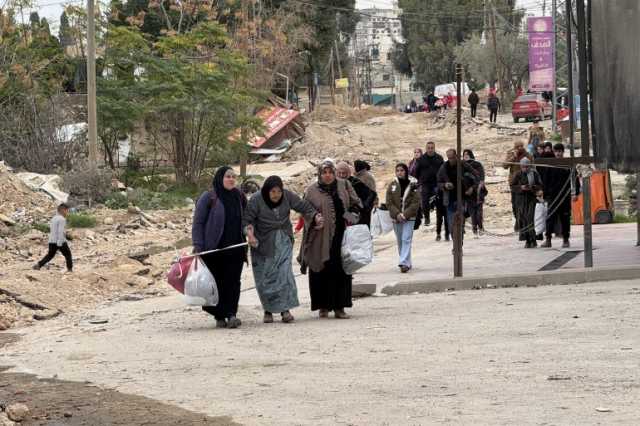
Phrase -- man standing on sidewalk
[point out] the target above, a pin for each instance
(427, 168)
(557, 191)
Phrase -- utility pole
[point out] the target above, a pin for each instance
(571, 106)
(584, 132)
(494, 39)
(459, 218)
(335, 42)
(554, 109)
(91, 86)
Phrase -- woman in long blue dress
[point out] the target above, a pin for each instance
(269, 231)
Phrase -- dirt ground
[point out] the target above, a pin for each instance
(546, 355)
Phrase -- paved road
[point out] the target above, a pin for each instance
(547, 355)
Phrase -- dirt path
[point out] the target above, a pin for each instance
(548, 355)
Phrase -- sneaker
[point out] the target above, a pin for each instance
(287, 317)
(221, 324)
(36, 267)
(268, 318)
(447, 238)
(323, 313)
(438, 238)
(527, 245)
(404, 269)
(566, 244)
(234, 322)
(546, 244)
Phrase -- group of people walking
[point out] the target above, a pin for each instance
(345, 195)
(551, 186)
(224, 219)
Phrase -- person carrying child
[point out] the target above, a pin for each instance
(58, 239)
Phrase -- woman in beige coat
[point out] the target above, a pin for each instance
(337, 202)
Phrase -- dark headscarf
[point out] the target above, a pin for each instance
(270, 183)
(360, 165)
(404, 183)
(468, 151)
(332, 187)
(232, 233)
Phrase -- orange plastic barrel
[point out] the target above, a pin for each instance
(601, 200)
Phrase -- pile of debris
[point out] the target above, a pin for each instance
(20, 204)
(283, 127)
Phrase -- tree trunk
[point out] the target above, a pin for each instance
(180, 160)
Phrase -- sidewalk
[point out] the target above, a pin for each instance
(614, 245)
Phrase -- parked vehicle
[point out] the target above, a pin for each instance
(530, 106)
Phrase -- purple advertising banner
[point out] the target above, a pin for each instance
(541, 54)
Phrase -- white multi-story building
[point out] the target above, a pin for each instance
(377, 33)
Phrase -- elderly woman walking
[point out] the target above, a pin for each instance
(217, 224)
(268, 228)
(337, 202)
(403, 202)
(525, 185)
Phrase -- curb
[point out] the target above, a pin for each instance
(562, 277)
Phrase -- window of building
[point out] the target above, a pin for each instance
(386, 77)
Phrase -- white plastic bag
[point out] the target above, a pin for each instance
(357, 248)
(200, 287)
(540, 219)
(381, 223)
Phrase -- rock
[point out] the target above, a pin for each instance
(89, 235)
(162, 187)
(46, 314)
(108, 221)
(133, 209)
(17, 412)
(7, 220)
(143, 271)
(189, 201)
(4, 420)
(131, 298)
(98, 321)
(68, 414)
(170, 225)
(34, 235)
(5, 324)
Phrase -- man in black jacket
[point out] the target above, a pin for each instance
(557, 192)
(474, 100)
(427, 168)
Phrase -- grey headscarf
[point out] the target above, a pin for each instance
(531, 177)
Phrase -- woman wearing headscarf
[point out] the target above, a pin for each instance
(403, 202)
(268, 228)
(526, 183)
(339, 205)
(217, 224)
(363, 172)
(366, 195)
(417, 153)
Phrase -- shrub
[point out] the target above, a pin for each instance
(42, 227)
(88, 184)
(81, 220)
(116, 201)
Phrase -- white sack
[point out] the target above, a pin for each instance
(357, 248)
(540, 219)
(381, 222)
(200, 287)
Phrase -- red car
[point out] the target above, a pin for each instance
(530, 106)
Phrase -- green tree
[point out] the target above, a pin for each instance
(433, 29)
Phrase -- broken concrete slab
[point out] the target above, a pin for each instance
(363, 290)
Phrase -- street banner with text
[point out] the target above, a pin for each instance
(541, 54)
